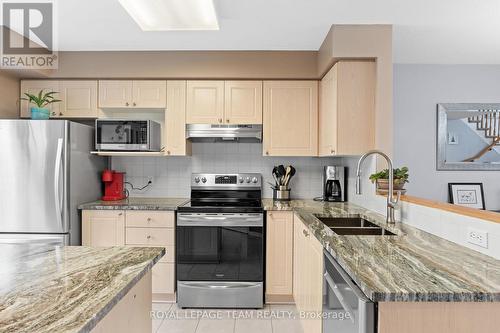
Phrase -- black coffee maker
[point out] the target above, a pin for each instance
(334, 183)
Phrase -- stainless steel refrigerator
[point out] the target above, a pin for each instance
(46, 171)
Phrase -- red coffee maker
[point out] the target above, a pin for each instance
(113, 185)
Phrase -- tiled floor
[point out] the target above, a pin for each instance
(271, 319)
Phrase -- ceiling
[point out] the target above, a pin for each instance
(425, 31)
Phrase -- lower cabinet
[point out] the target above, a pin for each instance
(279, 257)
(132, 313)
(307, 276)
(137, 228)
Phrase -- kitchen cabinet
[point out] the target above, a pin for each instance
(224, 102)
(205, 102)
(78, 99)
(307, 276)
(290, 118)
(132, 313)
(132, 94)
(34, 87)
(279, 257)
(103, 228)
(152, 228)
(347, 109)
(175, 120)
(137, 228)
(243, 102)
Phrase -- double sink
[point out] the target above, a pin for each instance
(353, 226)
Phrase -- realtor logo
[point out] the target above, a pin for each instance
(28, 35)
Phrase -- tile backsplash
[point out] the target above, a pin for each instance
(171, 176)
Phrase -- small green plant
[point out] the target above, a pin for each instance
(399, 174)
(41, 100)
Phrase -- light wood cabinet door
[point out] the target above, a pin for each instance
(149, 94)
(243, 102)
(164, 278)
(327, 125)
(307, 275)
(290, 118)
(205, 102)
(34, 87)
(279, 254)
(103, 228)
(347, 109)
(115, 93)
(79, 99)
(175, 120)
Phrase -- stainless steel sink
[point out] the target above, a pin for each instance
(353, 226)
(356, 222)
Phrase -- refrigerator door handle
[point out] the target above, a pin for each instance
(57, 176)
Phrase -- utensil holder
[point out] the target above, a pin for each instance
(281, 193)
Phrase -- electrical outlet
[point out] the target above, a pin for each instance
(477, 237)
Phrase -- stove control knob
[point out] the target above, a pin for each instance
(204, 180)
(196, 180)
(247, 179)
(240, 179)
(254, 180)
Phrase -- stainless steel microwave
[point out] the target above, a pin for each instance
(127, 135)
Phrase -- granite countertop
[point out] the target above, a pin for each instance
(135, 204)
(412, 266)
(66, 289)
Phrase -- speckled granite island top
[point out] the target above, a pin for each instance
(66, 289)
(135, 204)
(412, 266)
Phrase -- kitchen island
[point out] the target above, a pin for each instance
(75, 288)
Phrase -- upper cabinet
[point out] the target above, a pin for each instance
(133, 94)
(175, 120)
(78, 97)
(347, 109)
(243, 102)
(205, 102)
(224, 102)
(290, 118)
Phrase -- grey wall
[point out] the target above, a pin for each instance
(171, 176)
(417, 90)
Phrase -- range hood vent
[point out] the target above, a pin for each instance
(225, 133)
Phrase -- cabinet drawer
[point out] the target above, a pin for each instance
(149, 236)
(163, 278)
(150, 219)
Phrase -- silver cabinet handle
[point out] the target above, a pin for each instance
(305, 233)
(149, 237)
(134, 104)
(149, 219)
(120, 214)
(126, 104)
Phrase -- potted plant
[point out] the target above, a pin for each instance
(41, 101)
(382, 179)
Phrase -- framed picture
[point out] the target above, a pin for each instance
(467, 194)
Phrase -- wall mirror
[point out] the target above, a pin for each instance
(468, 136)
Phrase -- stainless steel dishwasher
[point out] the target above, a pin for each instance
(346, 309)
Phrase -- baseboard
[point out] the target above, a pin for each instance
(279, 299)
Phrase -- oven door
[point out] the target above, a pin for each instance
(345, 308)
(220, 260)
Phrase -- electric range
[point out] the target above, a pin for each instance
(220, 243)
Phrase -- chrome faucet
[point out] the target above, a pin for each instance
(391, 202)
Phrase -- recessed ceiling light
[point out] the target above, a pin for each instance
(160, 15)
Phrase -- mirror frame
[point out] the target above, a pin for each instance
(442, 137)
